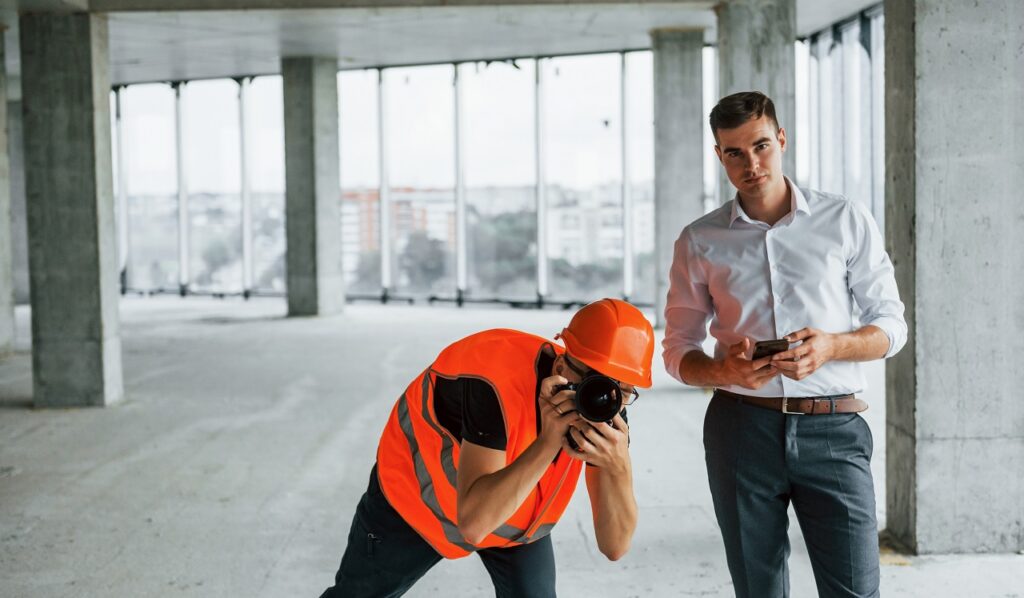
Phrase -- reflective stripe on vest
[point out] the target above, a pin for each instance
(451, 531)
(448, 465)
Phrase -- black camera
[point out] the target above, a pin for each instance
(598, 398)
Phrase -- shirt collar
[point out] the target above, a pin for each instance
(797, 203)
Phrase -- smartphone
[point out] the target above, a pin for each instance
(767, 348)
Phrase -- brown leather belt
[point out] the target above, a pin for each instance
(801, 405)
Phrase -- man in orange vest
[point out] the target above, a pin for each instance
(475, 456)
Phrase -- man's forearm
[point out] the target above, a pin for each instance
(495, 497)
(615, 511)
(698, 369)
(864, 344)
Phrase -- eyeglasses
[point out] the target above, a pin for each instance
(583, 372)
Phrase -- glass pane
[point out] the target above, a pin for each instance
(113, 144)
(360, 180)
(830, 132)
(856, 106)
(640, 144)
(814, 113)
(152, 186)
(878, 118)
(500, 178)
(421, 130)
(115, 172)
(213, 179)
(583, 160)
(715, 179)
(800, 140)
(264, 132)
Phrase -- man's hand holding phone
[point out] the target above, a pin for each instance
(816, 348)
(737, 370)
(764, 349)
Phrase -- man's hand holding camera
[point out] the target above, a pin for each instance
(604, 444)
(557, 412)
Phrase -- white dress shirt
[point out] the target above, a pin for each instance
(764, 282)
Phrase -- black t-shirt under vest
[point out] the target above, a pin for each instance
(469, 409)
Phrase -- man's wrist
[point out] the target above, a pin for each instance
(716, 373)
(836, 346)
(550, 444)
(619, 470)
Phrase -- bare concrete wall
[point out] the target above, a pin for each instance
(7, 328)
(755, 53)
(954, 171)
(678, 145)
(19, 218)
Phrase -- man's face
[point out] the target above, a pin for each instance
(752, 156)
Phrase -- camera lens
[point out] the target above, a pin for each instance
(598, 398)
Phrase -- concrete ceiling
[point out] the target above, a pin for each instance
(185, 43)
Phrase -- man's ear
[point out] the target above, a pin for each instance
(718, 152)
(782, 138)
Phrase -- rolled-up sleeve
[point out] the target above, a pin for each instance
(687, 308)
(872, 280)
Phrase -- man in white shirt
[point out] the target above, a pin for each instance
(778, 262)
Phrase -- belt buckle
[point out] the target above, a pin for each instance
(785, 404)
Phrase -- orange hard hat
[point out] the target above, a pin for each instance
(614, 338)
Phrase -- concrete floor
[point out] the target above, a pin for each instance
(234, 465)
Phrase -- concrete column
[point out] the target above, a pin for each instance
(19, 217)
(954, 171)
(756, 53)
(6, 230)
(76, 345)
(679, 123)
(312, 187)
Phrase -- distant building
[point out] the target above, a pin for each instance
(584, 225)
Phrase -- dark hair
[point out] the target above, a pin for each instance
(736, 109)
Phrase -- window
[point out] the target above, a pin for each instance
(582, 115)
(152, 186)
(211, 148)
(500, 178)
(856, 107)
(358, 117)
(842, 70)
(419, 112)
(640, 157)
(265, 167)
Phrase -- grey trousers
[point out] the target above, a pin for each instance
(759, 461)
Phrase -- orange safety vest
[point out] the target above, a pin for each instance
(417, 458)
